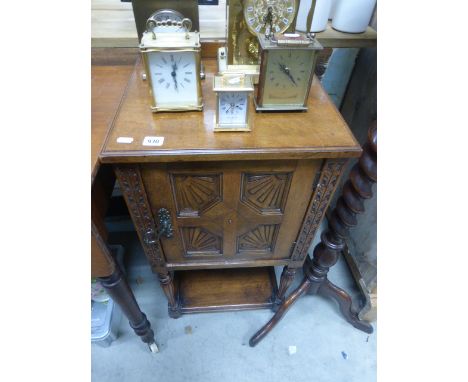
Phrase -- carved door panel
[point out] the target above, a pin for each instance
(231, 211)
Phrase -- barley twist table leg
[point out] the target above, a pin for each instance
(356, 190)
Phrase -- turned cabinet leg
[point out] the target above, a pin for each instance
(287, 277)
(167, 284)
(117, 287)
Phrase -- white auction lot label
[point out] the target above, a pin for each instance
(124, 140)
(153, 141)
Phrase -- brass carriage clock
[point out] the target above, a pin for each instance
(233, 99)
(171, 55)
(286, 71)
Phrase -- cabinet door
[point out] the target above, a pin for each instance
(231, 211)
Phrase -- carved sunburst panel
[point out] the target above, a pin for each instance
(199, 241)
(260, 239)
(194, 194)
(266, 193)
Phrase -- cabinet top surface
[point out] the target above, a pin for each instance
(320, 132)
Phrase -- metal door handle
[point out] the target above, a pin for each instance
(165, 228)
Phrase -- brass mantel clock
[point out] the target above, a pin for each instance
(287, 68)
(249, 18)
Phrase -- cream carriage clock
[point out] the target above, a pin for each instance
(171, 55)
(286, 71)
(233, 99)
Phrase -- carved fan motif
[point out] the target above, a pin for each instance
(198, 241)
(266, 192)
(262, 239)
(195, 194)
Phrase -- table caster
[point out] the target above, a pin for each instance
(153, 347)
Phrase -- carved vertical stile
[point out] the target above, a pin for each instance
(134, 192)
(131, 183)
(328, 181)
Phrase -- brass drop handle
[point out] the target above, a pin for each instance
(165, 228)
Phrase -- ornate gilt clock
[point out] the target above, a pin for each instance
(247, 19)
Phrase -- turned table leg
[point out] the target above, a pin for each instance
(280, 312)
(357, 188)
(117, 287)
(287, 277)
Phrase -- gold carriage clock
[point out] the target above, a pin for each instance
(286, 71)
(171, 56)
(233, 98)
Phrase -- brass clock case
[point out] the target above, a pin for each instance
(173, 43)
(224, 84)
(286, 74)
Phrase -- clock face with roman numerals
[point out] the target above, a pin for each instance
(173, 78)
(269, 16)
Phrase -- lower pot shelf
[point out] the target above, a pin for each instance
(225, 289)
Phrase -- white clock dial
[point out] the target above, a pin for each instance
(173, 78)
(232, 108)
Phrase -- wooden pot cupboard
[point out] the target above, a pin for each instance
(215, 212)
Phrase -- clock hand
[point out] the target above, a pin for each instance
(173, 74)
(286, 71)
(231, 106)
(269, 19)
(291, 78)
